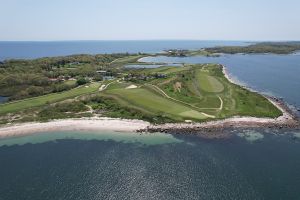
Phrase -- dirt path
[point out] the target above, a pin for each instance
(103, 87)
(221, 105)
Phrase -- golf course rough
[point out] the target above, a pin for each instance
(191, 92)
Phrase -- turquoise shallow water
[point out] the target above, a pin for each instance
(137, 138)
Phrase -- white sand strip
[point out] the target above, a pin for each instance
(91, 124)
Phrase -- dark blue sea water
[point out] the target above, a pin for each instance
(27, 50)
(253, 164)
(266, 167)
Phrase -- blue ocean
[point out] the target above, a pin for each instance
(29, 50)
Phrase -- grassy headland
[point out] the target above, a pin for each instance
(192, 92)
(99, 85)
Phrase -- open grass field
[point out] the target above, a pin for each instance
(70, 82)
(167, 69)
(187, 87)
(196, 92)
(208, 83)
(51, 98)
(154, 102)
(199, 53)
(126, 60)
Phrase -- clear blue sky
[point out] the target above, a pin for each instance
(149, 19)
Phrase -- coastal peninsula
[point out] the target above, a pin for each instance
(83, 92)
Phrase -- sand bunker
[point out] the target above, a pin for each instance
(131, 87)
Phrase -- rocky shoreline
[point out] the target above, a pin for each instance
(215, 129)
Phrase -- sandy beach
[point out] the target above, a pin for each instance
(86, 124)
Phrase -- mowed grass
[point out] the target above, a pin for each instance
(70, 82)
(51, 98)
(155, 103)
(208, 83)
(126, 60)
(202, 86)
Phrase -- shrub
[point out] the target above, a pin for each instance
(82, 81)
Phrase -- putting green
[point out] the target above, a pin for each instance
(190, 113)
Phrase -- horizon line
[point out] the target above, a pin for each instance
(129, 40)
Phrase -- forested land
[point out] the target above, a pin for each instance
(20, 79)
(264, 47)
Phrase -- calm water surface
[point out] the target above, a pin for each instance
(248, 166)
(61, 48)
